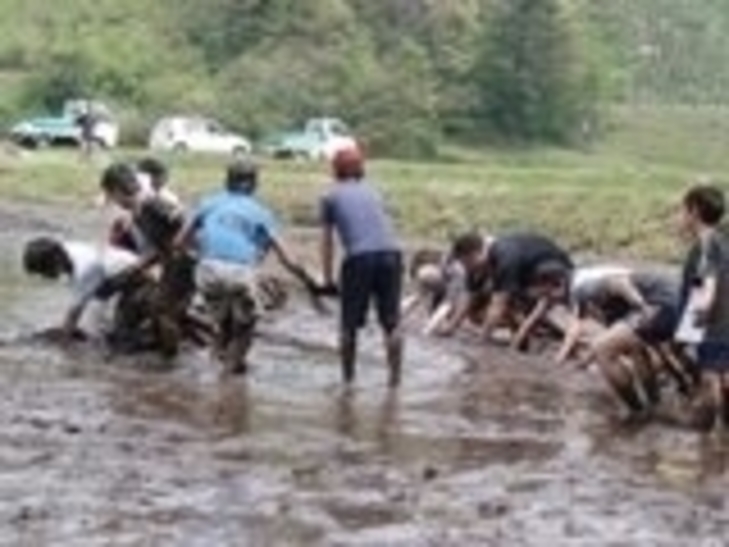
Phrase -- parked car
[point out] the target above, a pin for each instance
(196, 134)
(320, 138)
(66, 129)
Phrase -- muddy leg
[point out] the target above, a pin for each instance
(348, 355)
(608, 351)
(677, 370)
(394, 346)
(238, 336)
(704, 410)
(646, 375)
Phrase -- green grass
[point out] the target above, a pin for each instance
(616, 198)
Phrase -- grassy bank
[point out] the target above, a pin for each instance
(617, 198)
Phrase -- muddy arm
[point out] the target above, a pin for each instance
(527, 326)
(572, 337)
(327, 254)
(496, 314)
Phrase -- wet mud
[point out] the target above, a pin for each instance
(478, 447)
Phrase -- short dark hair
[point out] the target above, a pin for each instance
(467, 244)
(242, 176)
(155, 168)
(46, 257)
(706, 202)
(121, 178)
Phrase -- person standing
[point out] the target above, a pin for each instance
(705, 300)
(372, 268)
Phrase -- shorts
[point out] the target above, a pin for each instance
(713, 356)
(231, 295)
(657, 328)
(371, 277)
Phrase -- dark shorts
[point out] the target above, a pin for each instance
(371, 277)
(656, 329)
(713, 356)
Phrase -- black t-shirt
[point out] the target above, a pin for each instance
(159, 222)
(710, 258)
(513, 260)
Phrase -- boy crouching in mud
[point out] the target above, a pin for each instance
(88, 269)
(439, 286)
(639, 312)
(705, 298)
(155, 223)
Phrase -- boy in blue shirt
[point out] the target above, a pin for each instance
(233, 233)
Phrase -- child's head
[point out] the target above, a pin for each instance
(703, 206)
(156, 171)
(470, 250)
(120, 185)
(348, 164)
(47, 258)
(241, 176)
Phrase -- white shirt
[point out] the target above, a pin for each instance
(587, 280)
(92, 265)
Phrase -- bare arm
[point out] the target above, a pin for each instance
(327, 254)
(706, 297)
(437, 318)
(623, 287)
(458, 314)
(496, 314)
(527, 326)
(70, 322)
(410, 304)
(571, 339)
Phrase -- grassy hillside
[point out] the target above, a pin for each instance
(402, 71)
(616, 199)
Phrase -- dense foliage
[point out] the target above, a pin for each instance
(404, 73)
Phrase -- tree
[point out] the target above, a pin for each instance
(532, 84)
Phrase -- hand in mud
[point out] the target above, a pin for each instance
(62, 336)
(329, 290)
(584, 361)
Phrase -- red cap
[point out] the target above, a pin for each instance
(348, 163)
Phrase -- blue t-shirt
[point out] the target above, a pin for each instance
(356, 211)
(234, 227)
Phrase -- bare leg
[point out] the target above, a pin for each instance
(348, 355)
(394, 347)
(646, 374)
(609, 350)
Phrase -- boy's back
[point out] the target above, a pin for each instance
(356, 210)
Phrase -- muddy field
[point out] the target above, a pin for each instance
(478, 447)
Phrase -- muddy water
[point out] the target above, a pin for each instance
(477, 448)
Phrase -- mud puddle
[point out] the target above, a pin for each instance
(479, 447)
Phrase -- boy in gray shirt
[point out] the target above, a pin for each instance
(372, 269)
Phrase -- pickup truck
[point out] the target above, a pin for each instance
(320, 139)
(65, 128)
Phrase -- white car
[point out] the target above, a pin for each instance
(196, 134)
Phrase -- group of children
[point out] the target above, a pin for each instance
(172, 275)
(161, 263)
(638, 325)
